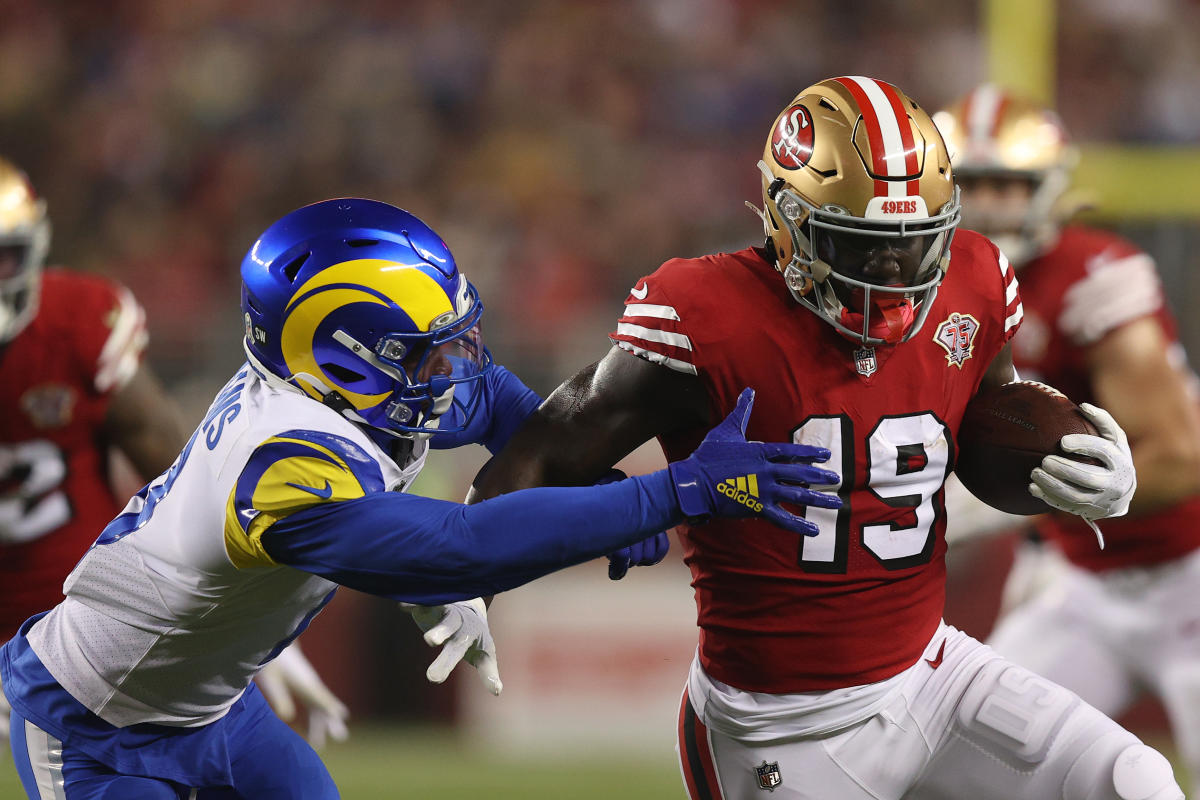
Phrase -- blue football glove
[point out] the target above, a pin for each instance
(503, 406)
(645, 553)
(731, 477)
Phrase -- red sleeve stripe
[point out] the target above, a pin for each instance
(893, 150)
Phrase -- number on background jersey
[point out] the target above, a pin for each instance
(32, 503)
(908, 459)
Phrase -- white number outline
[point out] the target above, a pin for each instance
(842, 446)
(40, 505)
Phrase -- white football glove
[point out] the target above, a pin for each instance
(290, 675)
(463, 628)
(1087, 490)
(5, 708)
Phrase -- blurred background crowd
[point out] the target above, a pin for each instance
(562, 149)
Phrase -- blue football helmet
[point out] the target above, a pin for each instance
(361, 306)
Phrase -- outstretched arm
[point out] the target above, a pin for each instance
(593, 420)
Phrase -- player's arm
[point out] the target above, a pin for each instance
(1163, 425)
(591, 421)
(319, 507)
(145, 424)
(1000, 371)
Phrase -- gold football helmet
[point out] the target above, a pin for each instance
(24, 240)
(854, 167)
(996, 136)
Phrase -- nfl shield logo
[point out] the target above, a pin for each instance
(864, 361)
(768, 775)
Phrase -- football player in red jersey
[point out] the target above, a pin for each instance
(865, 324)
(74, 386)
(1097, 327)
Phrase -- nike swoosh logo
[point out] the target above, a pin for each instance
(324, 493)
(639, 295)
(937, 662)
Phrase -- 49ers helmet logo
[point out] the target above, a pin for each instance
(792, 141)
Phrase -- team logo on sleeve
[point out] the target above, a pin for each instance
(957, 337)
(49, 405)
(768, 775)
(792, 140)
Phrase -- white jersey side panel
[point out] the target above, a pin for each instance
(159, 624)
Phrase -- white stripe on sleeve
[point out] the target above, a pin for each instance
(653, 335)
(122, 351)
(650, 310)
(1113, 293)
(658, 358)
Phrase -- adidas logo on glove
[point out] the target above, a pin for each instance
(742, 490)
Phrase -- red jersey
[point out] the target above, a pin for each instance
(780, 612)
(1091, 283)
(58, 375)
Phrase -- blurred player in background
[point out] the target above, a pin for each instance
(1105, 623)
(824, 669)
(363, 347)
(75, 387)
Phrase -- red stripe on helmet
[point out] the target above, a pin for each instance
(906, 135)
(874, 132)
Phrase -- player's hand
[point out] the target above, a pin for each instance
(503, 404)
(462, 630)
(731, 477)
(1091, 491)
(290, 675)
(5, 708)
(645, 553)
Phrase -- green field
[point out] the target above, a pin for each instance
(395, 764)
(383, 763)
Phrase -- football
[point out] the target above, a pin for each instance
(1005, 433)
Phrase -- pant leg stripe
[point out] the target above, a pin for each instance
(685, 766)
(704, 747)
(691, 743)
(45, 758)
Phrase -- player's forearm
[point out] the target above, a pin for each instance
(425, 551)
(1166, 474)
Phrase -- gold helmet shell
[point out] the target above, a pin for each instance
(854, 155)
(993, 133)
(25, 233)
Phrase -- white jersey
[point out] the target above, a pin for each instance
(170, 614)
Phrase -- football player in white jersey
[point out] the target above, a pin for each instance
(363, 350)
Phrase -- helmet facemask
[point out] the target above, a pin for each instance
(830, 245)
(22, 253)
(432, 374)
